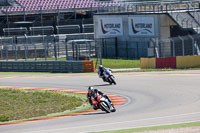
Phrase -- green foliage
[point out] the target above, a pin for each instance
(119, 63)
(4, 118)
(113, 63)
(23, 104)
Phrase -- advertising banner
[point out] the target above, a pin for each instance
(112, 26)
(141, 26)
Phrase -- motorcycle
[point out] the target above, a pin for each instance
(103, 104)
(109, 76)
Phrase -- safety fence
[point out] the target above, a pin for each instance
(44, 47)
(48, 30)
(174, 46)
(178, 62)
(152, 6)
(81, 46)
(47, 66)
(109, 6)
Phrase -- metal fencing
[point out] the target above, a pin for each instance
(54, 47)
(114, 48)
(152, 6)
(45, 48)
(153, 47)
(176, 46)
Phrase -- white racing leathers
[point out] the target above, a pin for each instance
(107, 75)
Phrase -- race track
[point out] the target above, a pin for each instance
(153, 98)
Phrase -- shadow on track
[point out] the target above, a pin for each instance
(95, 113)
(102, 85)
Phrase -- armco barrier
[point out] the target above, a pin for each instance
(46, 66)
(147, 63)
(169, 62)
(188, 62)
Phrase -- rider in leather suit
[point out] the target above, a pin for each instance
(92, 92)
(101, 72)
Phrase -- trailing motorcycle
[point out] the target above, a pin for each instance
(109, 76)
(103, 104)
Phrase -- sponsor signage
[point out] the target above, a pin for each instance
(110, 26)
(141, 26)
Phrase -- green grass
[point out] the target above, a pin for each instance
(109, 63)
(25, 104)
(119, 63)
(154, 128)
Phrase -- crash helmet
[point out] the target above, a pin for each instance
(90, 89)
(101, 67)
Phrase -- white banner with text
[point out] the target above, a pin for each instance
(141, 26)
(112, 26)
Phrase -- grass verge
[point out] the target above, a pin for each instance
(153, 128)
(26, 104)
(119, 63)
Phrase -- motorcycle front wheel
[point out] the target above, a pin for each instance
(105, 107)
(113, 109)
(113, 81)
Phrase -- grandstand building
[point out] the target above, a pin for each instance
(123, 29)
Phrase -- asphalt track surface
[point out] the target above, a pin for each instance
(153, 98)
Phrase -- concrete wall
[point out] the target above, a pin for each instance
(165, 23)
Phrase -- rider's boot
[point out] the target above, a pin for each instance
(95, 107)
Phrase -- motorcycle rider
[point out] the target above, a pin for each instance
(92, 92)
(101, 72)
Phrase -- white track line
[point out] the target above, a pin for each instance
(147, 126)
(89, 126)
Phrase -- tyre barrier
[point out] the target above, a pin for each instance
(47, 66)
(178, 62)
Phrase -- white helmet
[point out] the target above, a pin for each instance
(90, 88)
(101, 67)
